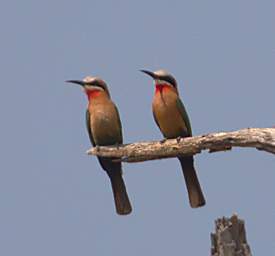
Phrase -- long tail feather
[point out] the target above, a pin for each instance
(122, 202)
(195, 194)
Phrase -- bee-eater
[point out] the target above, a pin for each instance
(104, 128)
(172, 119)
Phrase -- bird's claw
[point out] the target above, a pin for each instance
(117, 145)
(178, 139)
(124, 158)
(97, 148)
(163, 141)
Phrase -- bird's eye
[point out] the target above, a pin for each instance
(162, 81)
(170, 80)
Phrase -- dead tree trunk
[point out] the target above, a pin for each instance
(229, 238)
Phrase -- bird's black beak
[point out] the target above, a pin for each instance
(76, 82)
(151, 74)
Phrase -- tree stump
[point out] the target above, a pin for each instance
(229, 238)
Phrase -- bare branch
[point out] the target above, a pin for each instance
(260, 138)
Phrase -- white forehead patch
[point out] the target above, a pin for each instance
(161, 72)
(89, 79)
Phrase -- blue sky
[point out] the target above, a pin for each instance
(55, 200)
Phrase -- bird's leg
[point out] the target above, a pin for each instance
(117, 145)
(178, 139)
(163, 141)
(97, 148)
(124, 158)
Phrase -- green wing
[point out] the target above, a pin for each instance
(156, 120)
(88, 125)
(105, 163)
(120, 126)
(184, 115)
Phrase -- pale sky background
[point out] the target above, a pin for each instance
(55, 200)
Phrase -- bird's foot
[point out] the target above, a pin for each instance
(124, 158)
(117, 145)
(163, 141)
(97, 148)
(119, 160)
(178, 139)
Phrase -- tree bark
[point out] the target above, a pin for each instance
(229, 238)
(259, 138)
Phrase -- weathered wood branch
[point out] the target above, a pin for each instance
(229, 238)
(259, 138)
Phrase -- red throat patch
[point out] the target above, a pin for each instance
(160, 88)
(91, 94)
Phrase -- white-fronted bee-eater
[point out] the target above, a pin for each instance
(104, 128)
(173, 121)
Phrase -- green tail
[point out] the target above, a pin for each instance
(122, 202)
(195, 194)
(114, 171)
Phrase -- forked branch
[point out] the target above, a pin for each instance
(259, 138)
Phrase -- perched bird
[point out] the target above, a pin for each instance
(104, 128)
(172, 119)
